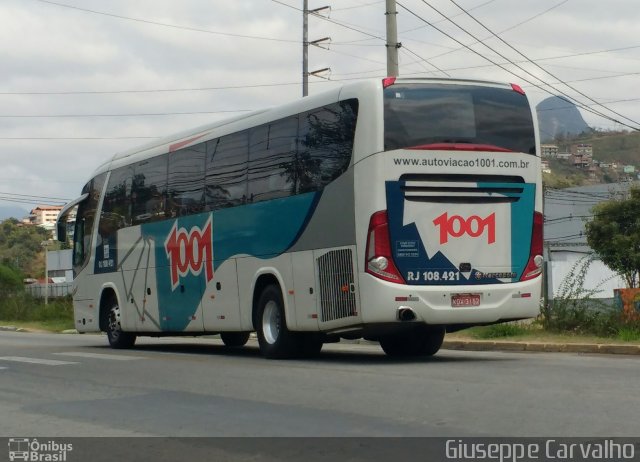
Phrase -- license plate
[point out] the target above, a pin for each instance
(460, 300)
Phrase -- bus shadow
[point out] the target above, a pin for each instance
(330, 354)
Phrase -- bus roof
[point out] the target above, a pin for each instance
(222, 127)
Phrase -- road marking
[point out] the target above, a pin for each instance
(1, 367)
(82, 354)
(45, 362)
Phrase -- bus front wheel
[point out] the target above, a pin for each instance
(275, 340)
(421, 341)
(234, 339)
(117, 338)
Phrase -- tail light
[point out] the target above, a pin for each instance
(379, 259)
(534, 265)
(517, 89)
(388, 81)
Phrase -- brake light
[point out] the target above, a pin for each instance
(517, 88)
(379, 261)
(534, 265)
(388, 81)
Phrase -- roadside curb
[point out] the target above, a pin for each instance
(483, 345)
(475, 345)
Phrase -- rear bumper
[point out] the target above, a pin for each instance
(381, 300)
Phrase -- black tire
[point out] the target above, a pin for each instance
(421, 341)
(234, 339)
(275, 340)
(117, 338)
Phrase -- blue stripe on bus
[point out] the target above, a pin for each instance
(263, 230)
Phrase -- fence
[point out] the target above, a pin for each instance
(60, 289)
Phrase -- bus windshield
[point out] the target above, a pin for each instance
(438, 116)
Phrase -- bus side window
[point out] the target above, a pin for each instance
(149, 189)
(226, 171)
(185, 188)
(271, 160)
(116, 207)
(325, 144)
(85, 220)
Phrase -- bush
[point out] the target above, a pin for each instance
(10, 281)
(574, 310)
(23, 307)
(584, 318)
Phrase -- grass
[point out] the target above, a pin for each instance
(505, 330)
(533, 332)
(35, 326)
(629, 334)
(22, 310)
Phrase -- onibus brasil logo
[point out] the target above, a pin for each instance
(38, 451)
(190, 252)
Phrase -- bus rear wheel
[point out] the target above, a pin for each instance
(234, 339)
(421, 341)
(274, 338)
(117, 338)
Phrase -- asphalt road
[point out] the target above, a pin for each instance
(75, 385)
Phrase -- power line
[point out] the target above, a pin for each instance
(84, 138)
(156, 90)
(421, 59)
(266, 85)
(566, 97)
(540, 67)
(357, 6)
(122, 115)
(31, 196)
(27, 201)
(173, 26)
(502, 31)
(562, 95)
(333, 21)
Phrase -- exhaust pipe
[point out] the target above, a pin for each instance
(405, 314)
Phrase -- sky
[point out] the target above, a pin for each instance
(83, 79)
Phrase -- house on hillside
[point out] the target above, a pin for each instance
(581, 155)
(45, 216)
(549, 150)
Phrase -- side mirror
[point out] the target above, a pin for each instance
(61, 228)
(61, 222)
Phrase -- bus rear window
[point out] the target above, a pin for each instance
(419, 115)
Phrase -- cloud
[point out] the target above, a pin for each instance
(45, 47)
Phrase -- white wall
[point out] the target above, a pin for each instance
(599, 276)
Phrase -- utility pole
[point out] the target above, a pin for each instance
(305, 48)
(306, 43)
(45, 245)
(392, 39)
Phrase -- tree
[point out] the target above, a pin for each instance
(614, 233)
(21, 246)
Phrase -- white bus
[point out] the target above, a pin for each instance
(392, 210)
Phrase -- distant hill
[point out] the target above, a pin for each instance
(558, 118)
(11, 211)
